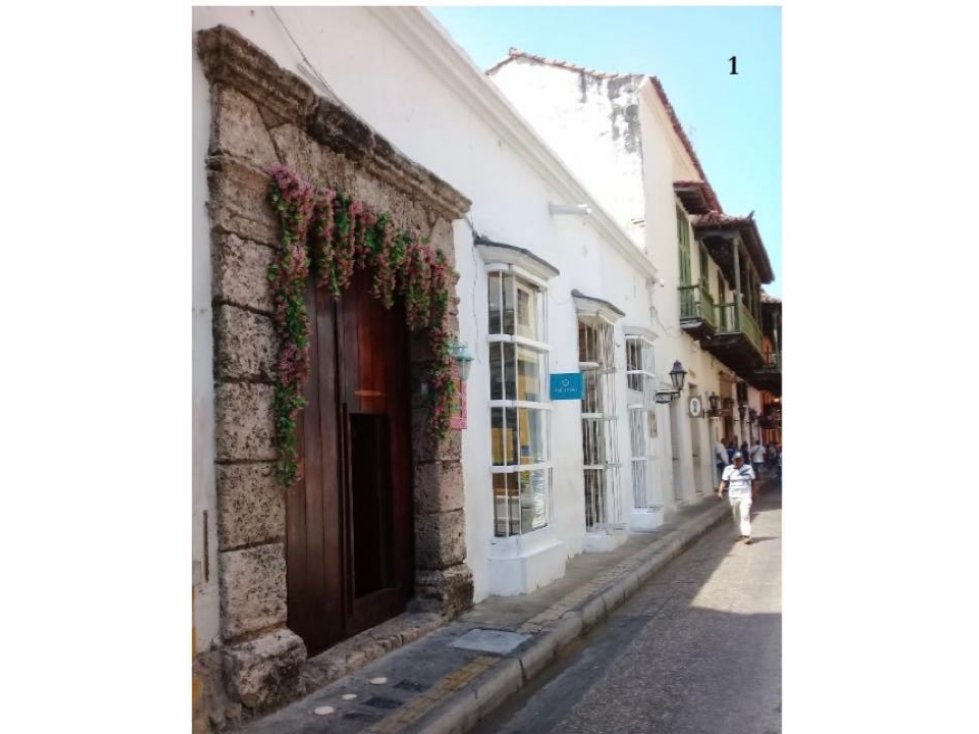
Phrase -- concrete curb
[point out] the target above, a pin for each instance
(461, 711)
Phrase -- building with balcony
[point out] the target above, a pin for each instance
(622, 137)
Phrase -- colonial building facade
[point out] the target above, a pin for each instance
(562, 319)
(621, 135)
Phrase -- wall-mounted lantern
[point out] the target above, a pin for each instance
(462, 355)
(677, 377)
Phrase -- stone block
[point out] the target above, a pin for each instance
(443, 239)
(593, 612)
(239, 201)
(448, 592)
(311, 161)
(420, 353)
(266, 671)
(440, 540)
(426, 447)
(244, 423)
(253, 589)
(438, 487)
(245, 345)
(230, 59)
(240, 272)
(337, 128)
(237, 128)
(499, 683)
(379, 194)
(251, 505)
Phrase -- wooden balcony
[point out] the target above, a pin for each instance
(698, 314)
(769, 375)
(737, 340)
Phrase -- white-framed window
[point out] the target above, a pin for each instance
(519, 408)
(641, 382)
(600, 448)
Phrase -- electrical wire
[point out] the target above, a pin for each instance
(301, 53)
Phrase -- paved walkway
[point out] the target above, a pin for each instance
(697, 650)
(449, 679)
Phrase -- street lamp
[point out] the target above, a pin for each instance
(462, 355)
(714, 401)
(677, 376)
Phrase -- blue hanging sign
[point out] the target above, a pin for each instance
(566, 386)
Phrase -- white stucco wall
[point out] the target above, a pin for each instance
(204, 498)
(414, 100)
(572, 106)
(577, 122)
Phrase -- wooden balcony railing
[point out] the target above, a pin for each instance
(696, 304)
(773, 361)
(733, 317)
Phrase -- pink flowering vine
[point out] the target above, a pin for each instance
(337, 236)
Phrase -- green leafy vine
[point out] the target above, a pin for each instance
(336, 236)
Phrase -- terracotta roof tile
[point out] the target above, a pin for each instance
(749, 235)
(516, 53)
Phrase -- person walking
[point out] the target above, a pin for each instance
(757, 461)
(739, 480)
(720, 457)
(757, 457)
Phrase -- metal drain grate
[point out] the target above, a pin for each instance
(407, 685)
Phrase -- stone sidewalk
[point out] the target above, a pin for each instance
(451, 675)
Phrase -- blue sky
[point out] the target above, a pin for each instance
(734, 122)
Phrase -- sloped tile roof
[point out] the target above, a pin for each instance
(749, 235)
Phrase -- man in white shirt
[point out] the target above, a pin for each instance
(739, 479)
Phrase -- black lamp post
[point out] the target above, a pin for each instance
(678, 374)
(714, 401)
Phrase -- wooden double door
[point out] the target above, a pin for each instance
(349, 520)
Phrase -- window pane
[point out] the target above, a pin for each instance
(506, 505)
(507, 304)
(530, 370)
(504, 436)
(591, 398)
(533, 499)
(495, 303)
(633, 361)
(595, 510)
(498, 370)
(527, 310)
(532, 431)
(593, 441)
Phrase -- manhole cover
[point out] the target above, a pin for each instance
(499, 642)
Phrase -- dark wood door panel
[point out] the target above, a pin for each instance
(349, 520)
